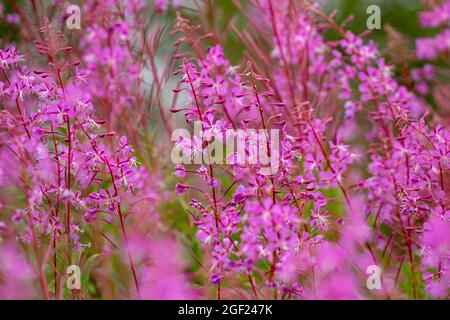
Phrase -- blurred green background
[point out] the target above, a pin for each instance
(400, 14)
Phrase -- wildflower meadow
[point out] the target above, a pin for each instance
(224, 150)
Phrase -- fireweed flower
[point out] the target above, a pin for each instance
(110, 65)
(404, 148)
(408, 158)
(16, 274)
(362, 166)
(268, 231)
(65, 154)
(436, 255)
(438, 17)
(160, 269)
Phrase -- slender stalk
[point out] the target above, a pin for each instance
(68, 187)
(123, 230)
(19, 109)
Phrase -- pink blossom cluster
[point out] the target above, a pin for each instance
(88, 135)
(274, 224)
(72, 170)
(430, 48)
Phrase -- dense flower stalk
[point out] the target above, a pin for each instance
(302, 157)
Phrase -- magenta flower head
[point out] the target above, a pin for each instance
(148, 150)
(181, 188)
(180, 171)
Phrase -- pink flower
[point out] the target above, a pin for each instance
(426, 49)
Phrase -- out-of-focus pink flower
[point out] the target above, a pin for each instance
(16, 275)
(161, 270)
(436, 255)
